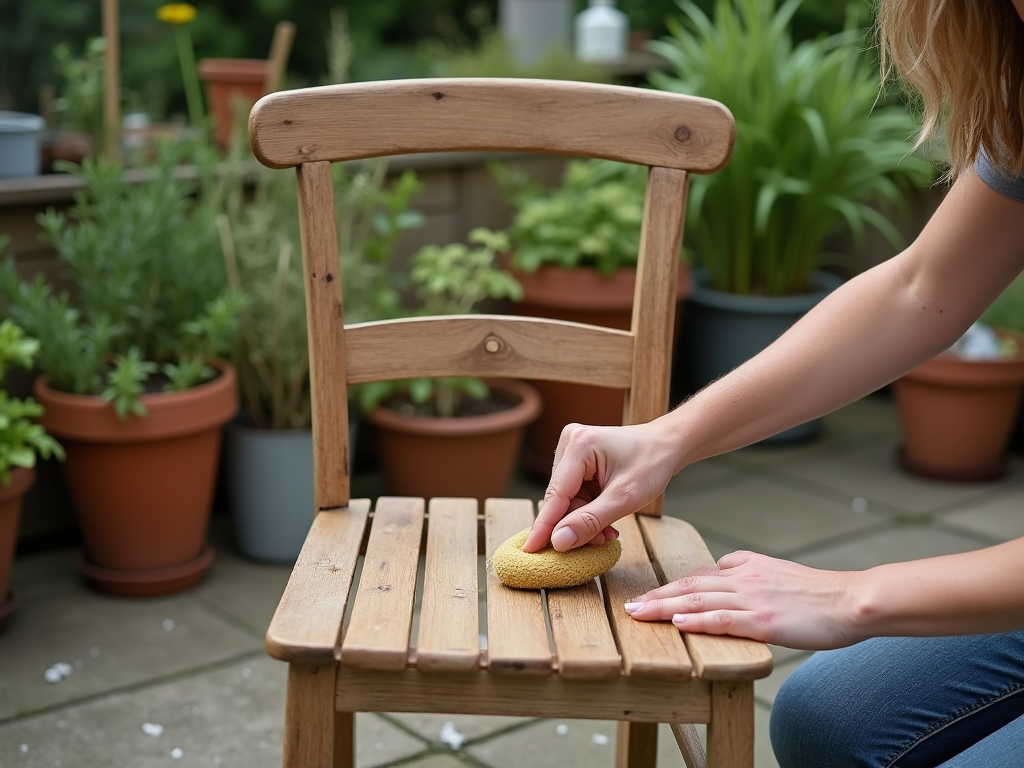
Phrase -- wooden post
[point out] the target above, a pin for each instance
(280, 48)
(111, 80)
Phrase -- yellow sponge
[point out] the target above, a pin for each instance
(550, 568)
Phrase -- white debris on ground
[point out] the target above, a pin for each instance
(451, 736)
(246, 672)
(562, 729)
(177, 754)
(152, 729)
(859, 504)
(168, 625)
(600, 739)
(23, 748)
(94, 652)
(58, 672)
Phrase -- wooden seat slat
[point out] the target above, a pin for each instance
(378, 631)
(584, 645)
(676, 549)
(306, 627)
(449, 634)
(647, 648)
(517, 639)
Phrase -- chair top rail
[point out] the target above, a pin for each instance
(361, 120)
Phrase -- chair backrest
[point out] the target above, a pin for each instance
(311, 128)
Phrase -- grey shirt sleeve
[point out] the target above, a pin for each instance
(1013, 188)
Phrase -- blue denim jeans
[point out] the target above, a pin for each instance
(905, 702)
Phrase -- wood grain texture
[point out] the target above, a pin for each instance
(636, 745)
(527, 348)
(449, 633)
(344, 740)
(689, 745)
(378, 630)
(307, 623)
(325, 321)
(517, 638)
(309, 716)
(654, 300)
(347, 122)
(676, 549)
(584, 645)
(731, 730)
(622, 698)
(647, 648)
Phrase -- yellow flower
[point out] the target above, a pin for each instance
(176, 13)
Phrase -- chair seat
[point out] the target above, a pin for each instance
(598, 663)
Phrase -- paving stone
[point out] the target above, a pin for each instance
(110, 642)
(869, 470)
(473, 727)
(585, 742)
(56, 565)
(766, 688)
(435, 761)
(892, 546)
(245, 590)
(1001, 518)
(772, 517)
(228, 717)
(703, 473)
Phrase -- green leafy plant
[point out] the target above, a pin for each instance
(814, 148)
(592, 219)
(151, 305)
(450, 280)
(80, 104)
(259, 234)
(21, 439)
(1007, 311)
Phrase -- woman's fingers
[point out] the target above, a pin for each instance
(664, 609)
(724, 622)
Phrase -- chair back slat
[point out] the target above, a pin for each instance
(348, 122)
(381, 618)
(449, 632)
(488, 345)
(517, 638)
(325, 322)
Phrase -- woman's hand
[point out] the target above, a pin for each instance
(760, 597)
(601, 474)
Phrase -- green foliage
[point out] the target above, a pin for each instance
(80, 105)
(21, 439)
(143, 257)
(593, 219)
(259, 229)
(1007, 311)
(450, 280)
(813, 149)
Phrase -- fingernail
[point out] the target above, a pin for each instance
(563, 538)
(633, 607)
(639, 599)
(679, 618)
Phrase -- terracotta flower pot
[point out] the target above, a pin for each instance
(957, 415)
(10, 510)
(227, 80)
(471, 456)
(143, 487)
(580, 295)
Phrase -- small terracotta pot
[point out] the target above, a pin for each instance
(11, 496)
(471, 456)
(228, 80)
(143, 487)
(580, 295)
(957, 415)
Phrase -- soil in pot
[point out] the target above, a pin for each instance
(468, 456)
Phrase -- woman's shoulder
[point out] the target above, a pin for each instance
(999, 181)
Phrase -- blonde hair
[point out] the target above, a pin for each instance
(965, 59)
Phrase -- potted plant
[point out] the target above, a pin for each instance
(815, 149)
(453, 436)
(574, 251)
(132, 383)
(21, 439)
(269, 449)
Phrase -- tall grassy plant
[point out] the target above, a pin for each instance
(814, 151)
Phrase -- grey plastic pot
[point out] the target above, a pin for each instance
(725, 330)
(270, 488)
(533, 27)
(20, 134)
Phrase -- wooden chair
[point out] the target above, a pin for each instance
(603, 665)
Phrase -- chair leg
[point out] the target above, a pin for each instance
(636, 745)
(309, 718)
(731, 730)
(344, 740)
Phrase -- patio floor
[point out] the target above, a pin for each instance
(184, 680)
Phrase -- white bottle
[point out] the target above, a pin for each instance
(602, 33)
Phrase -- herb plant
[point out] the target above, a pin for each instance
(815, 144)
(151, 304)
(21, 439)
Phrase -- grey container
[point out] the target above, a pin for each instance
(20, 134)
(725, 330)
(533, 27)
